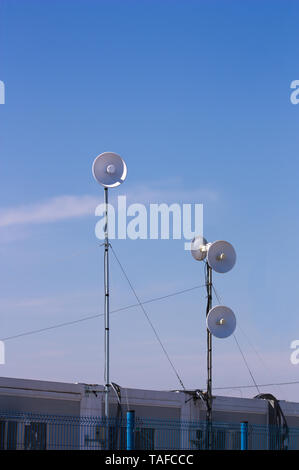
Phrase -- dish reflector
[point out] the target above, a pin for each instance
(109, 169)
(221, 256)
(198, 248)
(221, 321)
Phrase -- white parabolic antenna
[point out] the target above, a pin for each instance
(198, 248)
(221, 256)
(109, 169)
(221, 321)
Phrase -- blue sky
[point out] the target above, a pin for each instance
(196, 97)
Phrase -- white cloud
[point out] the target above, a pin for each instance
(55, 209)
(170, 192)
(68, 206)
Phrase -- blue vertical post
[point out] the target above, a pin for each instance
(130, 429)
(244, 435)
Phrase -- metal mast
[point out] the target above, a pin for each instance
(106, 306)
(209, 360)
(109, 170)
(220, 320)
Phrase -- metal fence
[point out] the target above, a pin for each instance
(48, 432)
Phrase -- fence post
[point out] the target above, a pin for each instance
(130, 429)
(244, 435)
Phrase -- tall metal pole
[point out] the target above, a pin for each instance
(209, 360)
(106, 283)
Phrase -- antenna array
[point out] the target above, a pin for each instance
(220, 320)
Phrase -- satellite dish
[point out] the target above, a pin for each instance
(109, 169)
(221, 321)
(199, 248)
(221, 256)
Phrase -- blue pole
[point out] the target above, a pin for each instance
(130, 429)
(244, 435)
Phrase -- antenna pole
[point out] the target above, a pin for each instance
(106, 283)
(110, 171)
(209, 360)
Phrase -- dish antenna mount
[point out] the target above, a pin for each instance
(221, 322)
(109, 170)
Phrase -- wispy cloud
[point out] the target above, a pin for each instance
(170, 192)
(70, 206)
(52, 210)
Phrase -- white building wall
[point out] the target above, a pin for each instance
(81, 400)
